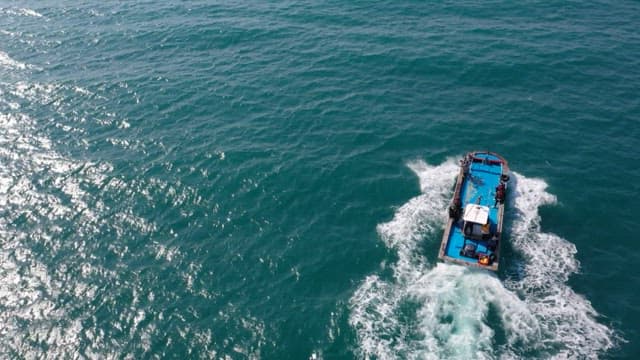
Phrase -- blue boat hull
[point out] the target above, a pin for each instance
(473, 232)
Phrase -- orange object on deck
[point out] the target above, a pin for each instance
(484, 260)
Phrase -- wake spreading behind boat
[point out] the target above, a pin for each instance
(473, 232)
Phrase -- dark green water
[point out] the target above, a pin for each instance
(269, 180)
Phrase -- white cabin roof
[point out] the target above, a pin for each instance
(476, 214)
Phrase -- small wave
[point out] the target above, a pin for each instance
(44, 196)
(29, 291)
(448, 311)
(29, 12)
(21, 12)
(7, 62)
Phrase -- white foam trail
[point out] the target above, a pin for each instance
(454, 305)
(420, 215)
(453, 312)
(567, 320)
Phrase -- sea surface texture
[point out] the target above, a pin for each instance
(269, 179)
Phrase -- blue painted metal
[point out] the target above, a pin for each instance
(481, 173)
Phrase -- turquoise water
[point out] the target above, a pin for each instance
(269, 180)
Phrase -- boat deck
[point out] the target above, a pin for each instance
(478, 187)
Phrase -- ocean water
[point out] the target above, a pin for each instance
(269, 180)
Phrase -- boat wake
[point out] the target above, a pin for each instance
(424, 311)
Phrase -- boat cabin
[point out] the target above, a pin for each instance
(476, 225)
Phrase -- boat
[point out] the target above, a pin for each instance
(473, 232)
